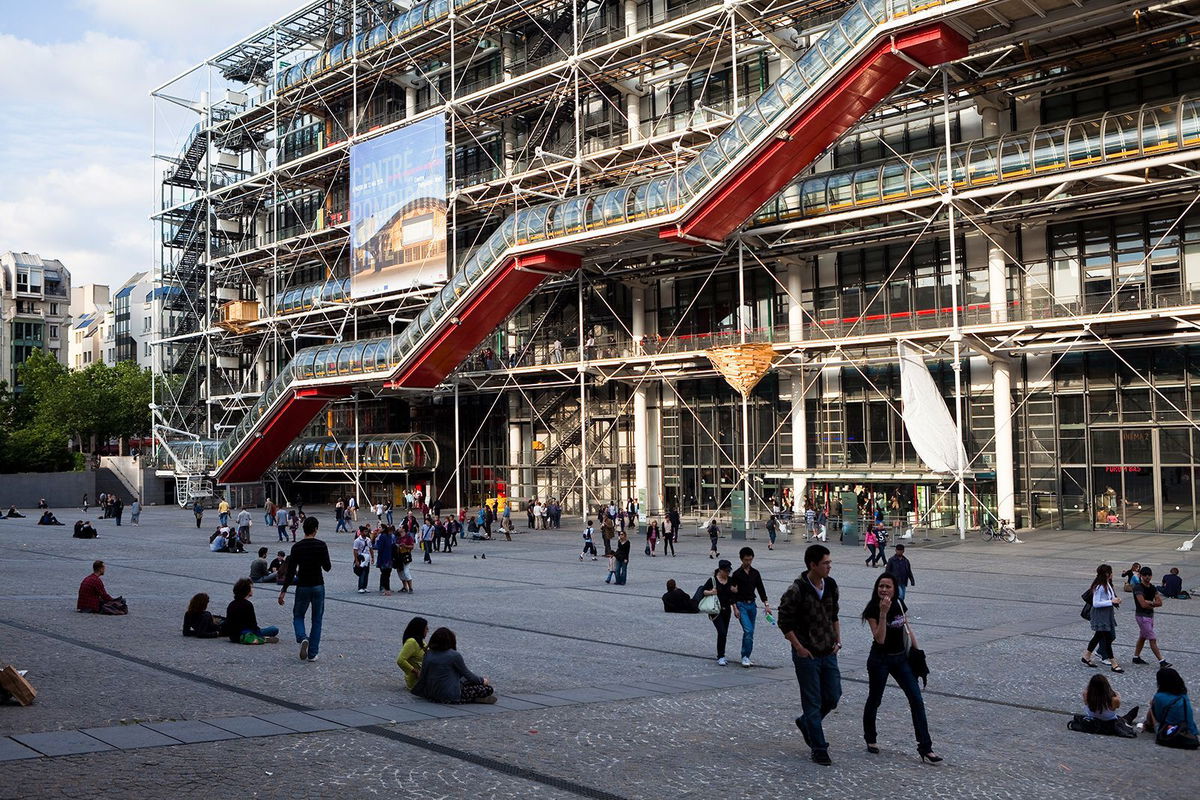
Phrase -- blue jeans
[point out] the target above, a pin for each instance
(341, 526)
(224, 518)
(900, 592)
(622, 572)
(389, 516)
(306, 596)
(283, 534)
(270, 630)
(820, 689)
(896, 665)
(747, 613)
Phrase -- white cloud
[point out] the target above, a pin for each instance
(202, 26)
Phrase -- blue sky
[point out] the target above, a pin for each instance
(76, 179)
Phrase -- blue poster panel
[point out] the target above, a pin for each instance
(398, 209)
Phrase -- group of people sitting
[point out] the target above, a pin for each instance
(436, 670)
(273, 572)
(1170, 717)
(84, 530)
(48, 518)
(226, 540)
(1172, 583)
(240, 623)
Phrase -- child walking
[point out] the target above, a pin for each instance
(612, 567)
(588, 544)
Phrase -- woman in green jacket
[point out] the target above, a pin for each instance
(412, 651)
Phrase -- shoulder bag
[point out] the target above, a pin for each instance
(1086, 611)
(709, 604)
(916, 656)
(1177, 736)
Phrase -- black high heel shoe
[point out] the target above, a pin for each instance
(873, 749)
(931, 758)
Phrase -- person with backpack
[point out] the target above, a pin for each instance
(714, 533)
(1171, 717)
(588, 544)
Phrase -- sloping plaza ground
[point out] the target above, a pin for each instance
(601, 694)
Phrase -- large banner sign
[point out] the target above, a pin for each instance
(398, 209)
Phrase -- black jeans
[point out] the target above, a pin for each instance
(668, 545)
(874, 555)
(721, 623)
(385, 579)
(879, 667)
(1101, 644)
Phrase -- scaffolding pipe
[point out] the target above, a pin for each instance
(583, 460)
(745, 395)
(956, 335)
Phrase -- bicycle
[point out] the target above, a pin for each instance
(1006, 532)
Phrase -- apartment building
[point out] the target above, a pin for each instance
(36, 307)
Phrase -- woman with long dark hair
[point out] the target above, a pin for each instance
(445, 677)
(891, 638)
(1171, 705)
(1104, 619)
(720, 586)
(412, 650)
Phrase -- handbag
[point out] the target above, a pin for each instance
(916, 656)
(1176, 736)
(709, 604)
(1086, 611)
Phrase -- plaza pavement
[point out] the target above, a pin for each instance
(602, 694)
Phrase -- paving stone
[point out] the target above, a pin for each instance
(516, 703)
(394, 713)
(300, 722)
(14, 751)
(129, 737)
(545, 699)
(191, 731)
(583, 694)
(248, 726)
(62, 743)
(441, 710)
(347, 716)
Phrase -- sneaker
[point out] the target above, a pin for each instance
(313, 658)
(722, 661)
(1163, 664)
(271, 639)
(1139, 660)
(1106, 662)
(304, 649)
(362, 591)
(581, 556)
(746, 662)
(822, 757)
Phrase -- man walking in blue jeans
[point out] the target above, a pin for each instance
(808, 617)
(309, 556)
(746, 581)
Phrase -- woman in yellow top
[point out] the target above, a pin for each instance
(412, 652)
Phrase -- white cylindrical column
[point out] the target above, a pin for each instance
(410, 101)
(641, 427)
(631, 25)
(515, 489)
(633, 116)
(795, 287)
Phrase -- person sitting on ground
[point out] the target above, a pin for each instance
(198, 622)
(43, 504)
(241, 624)
(444, 675)
(233, 541)
(278, 566)
(677, 601)
(1100, 704)
(1171, 708)
(218, 543)
(260, 570)
(94, 598)
(84, 530)
(48, 519)
(13, 513)
(1132, 576)
(1172, 586)
(412, 651)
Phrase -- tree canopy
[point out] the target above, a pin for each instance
(56, 411)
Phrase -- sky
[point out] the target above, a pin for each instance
(76, 177)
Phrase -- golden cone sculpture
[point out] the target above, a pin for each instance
(742, 365)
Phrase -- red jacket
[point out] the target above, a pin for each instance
(92, 594)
